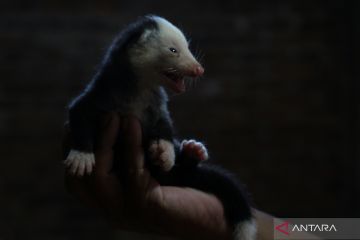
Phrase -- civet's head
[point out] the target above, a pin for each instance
(161, 55)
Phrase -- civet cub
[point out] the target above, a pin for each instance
(147, 57)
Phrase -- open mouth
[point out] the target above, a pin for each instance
(176, 81)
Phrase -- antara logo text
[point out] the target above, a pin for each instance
(286, 228)
(314, 228)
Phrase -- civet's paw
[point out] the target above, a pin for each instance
(162, 154)
(194, 149)
(80, 163)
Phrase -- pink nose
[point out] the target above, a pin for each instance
(198, 71)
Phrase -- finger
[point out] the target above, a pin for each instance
(139, 185)
(89, 166)
(67, 162)
(106, 184)
(104, 145)
(132, 136)
(74, 167)
(81, 168)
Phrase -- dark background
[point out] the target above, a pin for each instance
(278, 104)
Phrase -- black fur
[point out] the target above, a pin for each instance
(114, 85)
(211, 178)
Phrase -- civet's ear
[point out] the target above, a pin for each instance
(146, 35)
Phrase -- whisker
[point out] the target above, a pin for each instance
(188, 83)
(201, 56)
(172, 70)
(193, 83)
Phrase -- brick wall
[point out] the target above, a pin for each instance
(278, 104)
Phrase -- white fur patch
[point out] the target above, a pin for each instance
(151, 56)
(168, 30)
(163, 154)
(146, 34)
(194, 149)
(80, 162)
(245, 230)
(173, 37)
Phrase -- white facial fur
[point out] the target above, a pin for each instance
(152, 55)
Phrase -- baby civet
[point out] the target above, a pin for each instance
(147, 57)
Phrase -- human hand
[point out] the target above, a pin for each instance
(136, 201)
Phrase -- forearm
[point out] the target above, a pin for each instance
(195, 214)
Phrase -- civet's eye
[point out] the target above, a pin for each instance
(173, 50)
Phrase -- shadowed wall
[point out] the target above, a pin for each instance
(278, 104)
